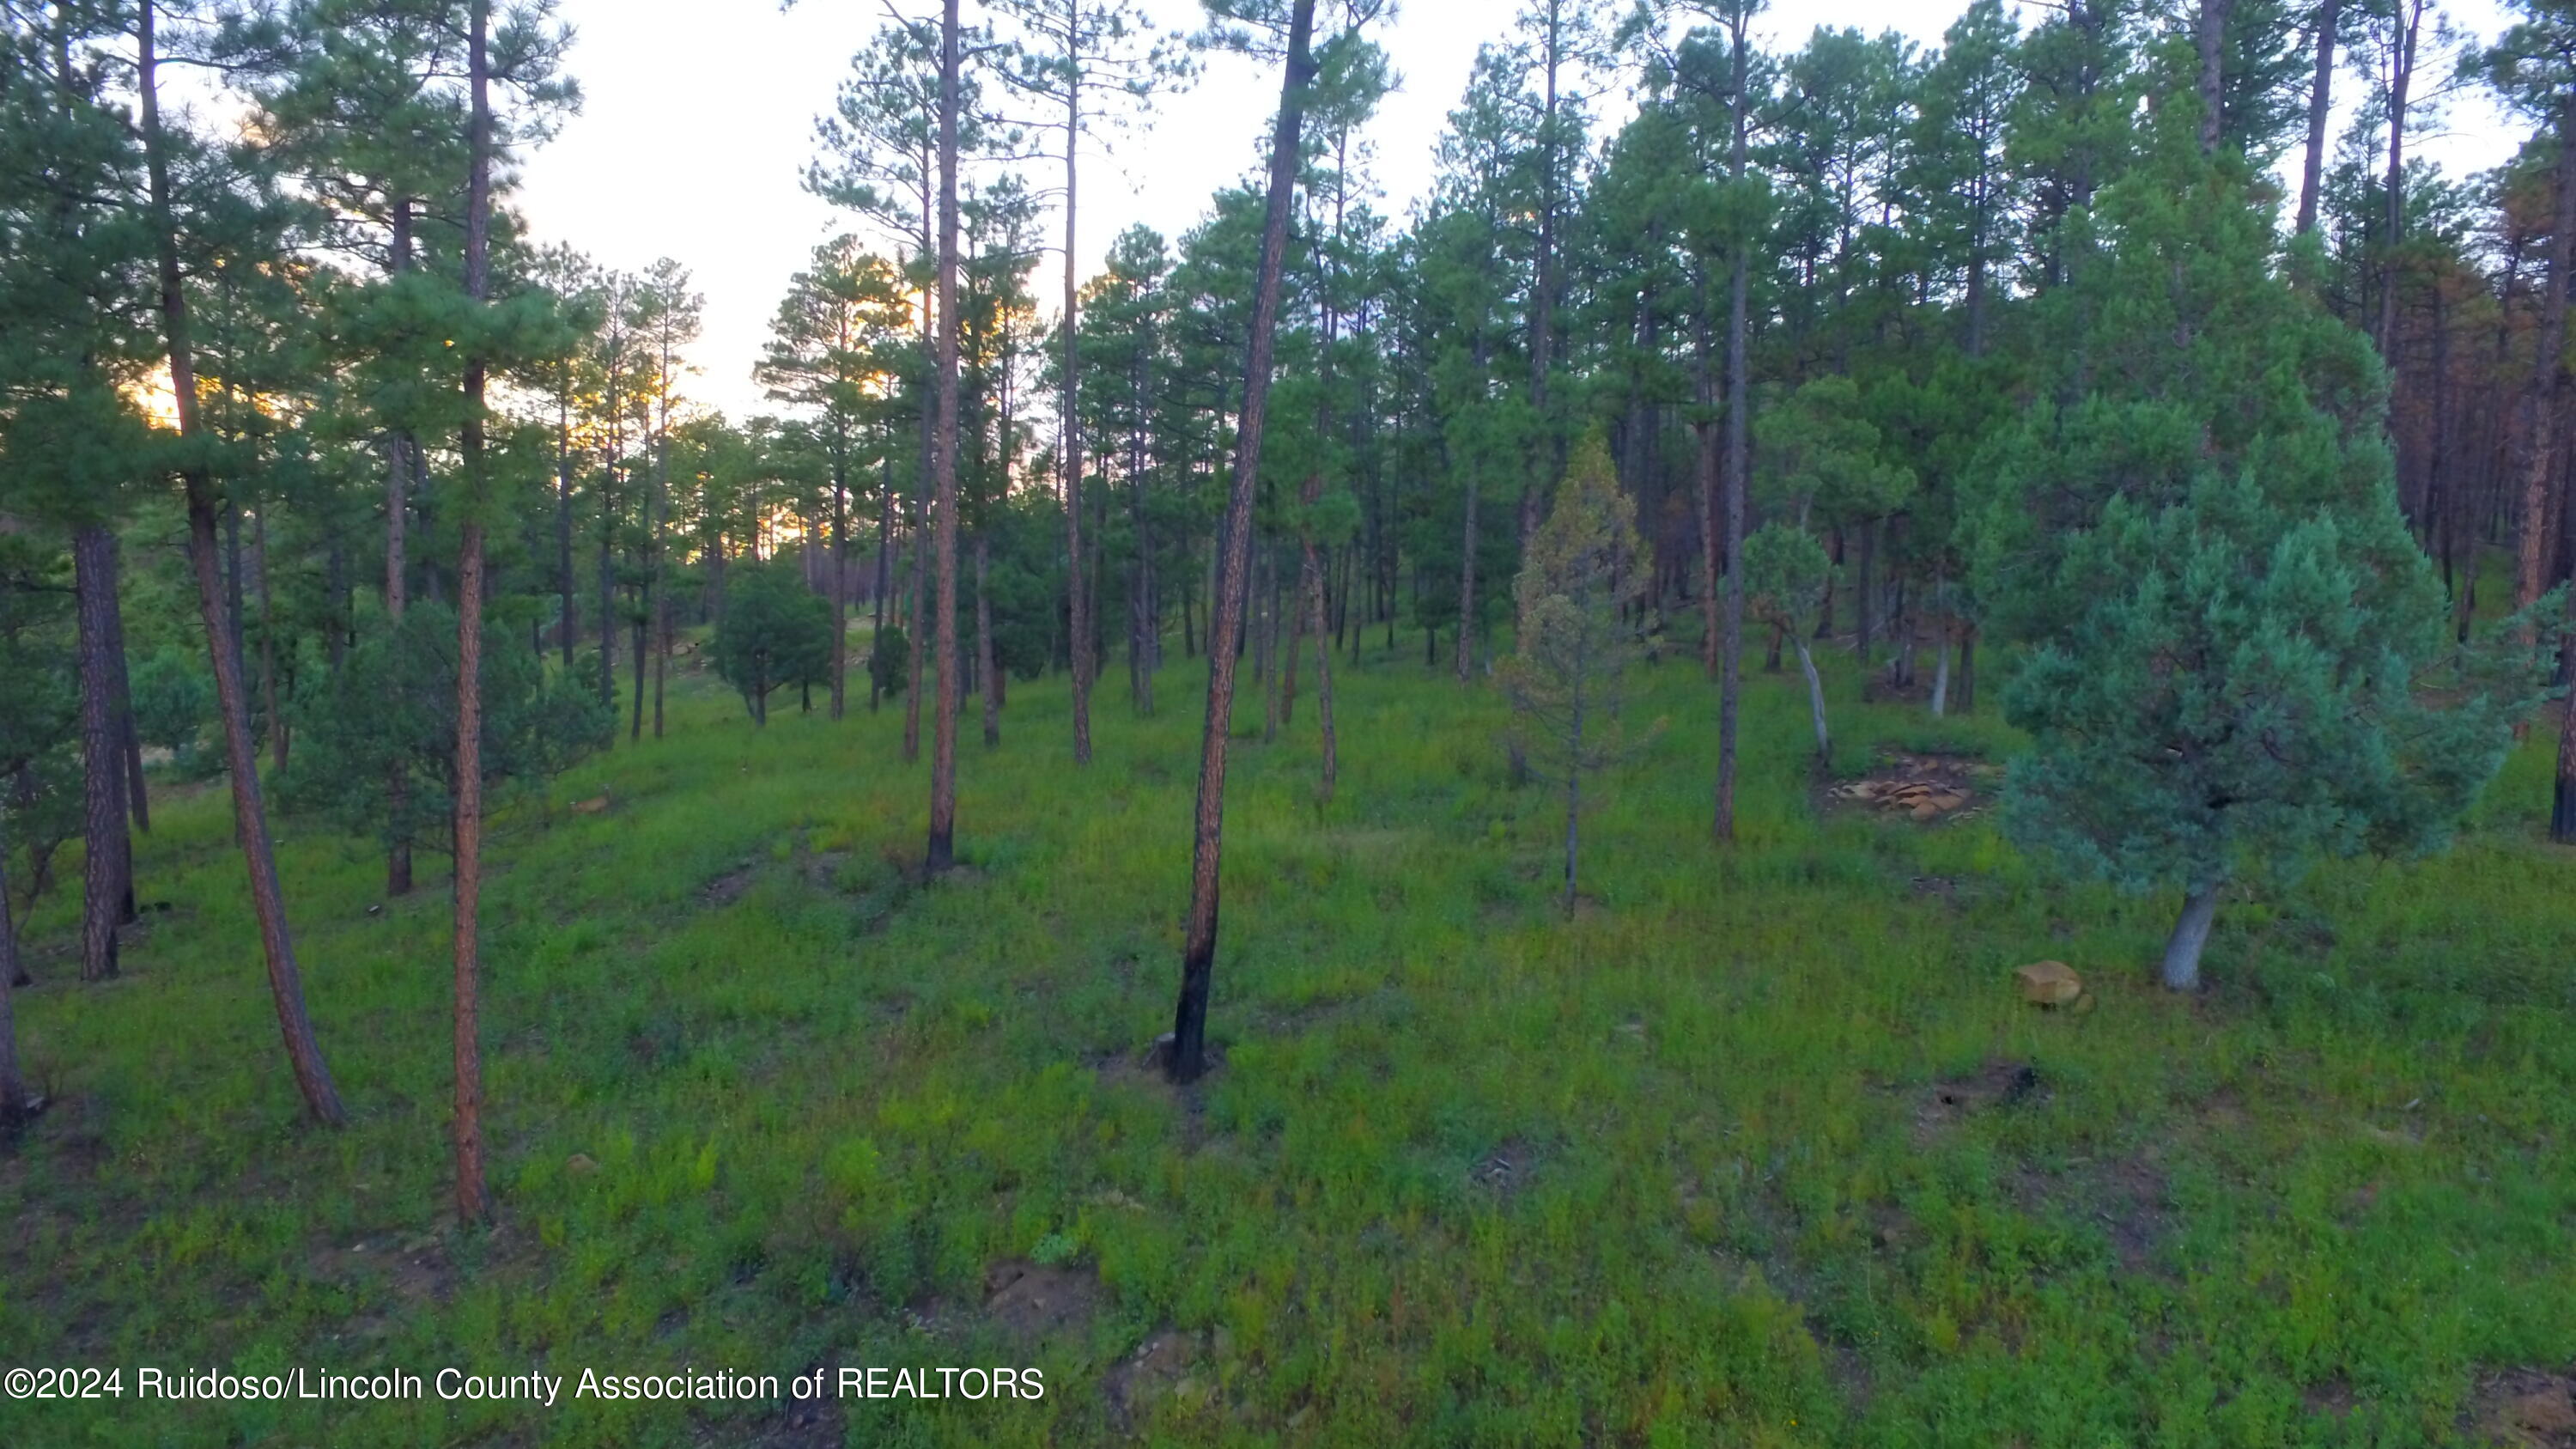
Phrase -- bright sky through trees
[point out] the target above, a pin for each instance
(722, 114)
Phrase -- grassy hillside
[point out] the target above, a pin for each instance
(1761, 1148)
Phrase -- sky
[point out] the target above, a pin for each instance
(698, 122)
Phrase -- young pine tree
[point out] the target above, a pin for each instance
(1784, 582)
(2199, 542)
(1565, 682)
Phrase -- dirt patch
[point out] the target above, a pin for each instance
(1505, 1170)
(2331, 1399)
(1997, 1084)
(1031, 1300)
(1159, 1369)
(2127, 1198)
(1922, 788)
(729, 887)
(2523, 1408)
(412, 1271)
(817, 1423)
(2130, 1201)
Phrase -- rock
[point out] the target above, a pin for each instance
(2049, 983)
(596, 805)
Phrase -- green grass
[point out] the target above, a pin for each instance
(1672, 1173)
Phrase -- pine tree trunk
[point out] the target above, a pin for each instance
(1860, 587)
(2401, 76)
(2191, 933)
(636, 631)
(277, 741)
(943, 738)
(1187, 1058)
(1730, 681)
(1296, 627)
(885, 565)
(2211, 36)
(1323, 678)
(400, 457)
(2562, 804)
(984, 649)
(1077, 585)
(1467, 586)
(473, 1198)
(107, 850)
(914, 644)
(1573, 800)
(565, 626)
(1816, 704)
(13, 1083)
(138, 801)
(2549, 376)
(840, 605)
(2320, 106)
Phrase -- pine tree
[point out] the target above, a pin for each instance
(1784, 584)
(1187, 1058)
(2198, 540)
(1566, 679)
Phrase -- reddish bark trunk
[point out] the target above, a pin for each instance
(1187, 1057)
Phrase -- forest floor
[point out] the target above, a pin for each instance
(1763, 1147)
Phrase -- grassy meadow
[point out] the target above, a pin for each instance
(1760, 1148)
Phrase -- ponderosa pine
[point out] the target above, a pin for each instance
(1187, 1059)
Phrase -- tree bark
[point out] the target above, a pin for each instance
(885, 566)
(2182, 950)
(2211, 37)
(1730, 679)
(138, 803)
(13, 1082)
(564, 626)
(2320, 106)
(943, 736)
(914, 644)
(473, 1198)
(250, 816)
(2401, 74)
(2548, 393)
(1076, 585)
(1323, 674)
(107, 853)
(1815, 701)
(992, 680)
(2562, 803)
(840, 598)
(1188, 1055)
(399, 458)
(277, 741)
(1712, 494)
(1574, 803)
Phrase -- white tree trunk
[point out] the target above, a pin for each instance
(2182, 952)
(1815, 699)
